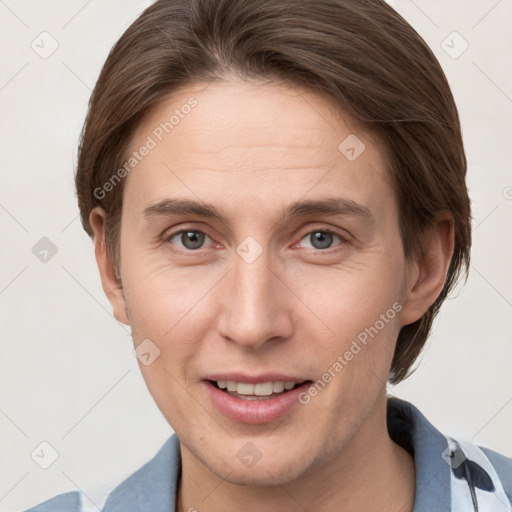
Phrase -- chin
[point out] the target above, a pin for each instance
(264, 475)
(275, 467)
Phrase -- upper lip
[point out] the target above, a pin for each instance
(254, 379)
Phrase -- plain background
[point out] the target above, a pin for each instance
(67, 370)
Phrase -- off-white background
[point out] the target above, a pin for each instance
(68, 375)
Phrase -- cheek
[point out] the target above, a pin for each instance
(163, 310)
(348, 301)
(361, 307)
(173, 308)
(160, 295)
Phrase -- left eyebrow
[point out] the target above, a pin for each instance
(329, 206)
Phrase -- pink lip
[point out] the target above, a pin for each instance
(254, 412)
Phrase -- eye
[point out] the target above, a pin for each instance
(321, 239)
(188, 238)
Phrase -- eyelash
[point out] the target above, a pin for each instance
(169, 237)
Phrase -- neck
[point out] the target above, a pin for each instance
(370, 473)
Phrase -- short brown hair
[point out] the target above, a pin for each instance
(361, 53)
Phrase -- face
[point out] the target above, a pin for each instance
(260, 250)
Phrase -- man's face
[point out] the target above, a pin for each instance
(277, 288)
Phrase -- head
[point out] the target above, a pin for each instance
(273, 186)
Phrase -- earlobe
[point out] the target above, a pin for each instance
(110, 281)
(427, 276)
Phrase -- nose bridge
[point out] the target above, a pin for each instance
(255, 309)
(253, 284)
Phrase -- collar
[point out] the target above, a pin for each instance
(410, 429)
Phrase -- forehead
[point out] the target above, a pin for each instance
(237, 141)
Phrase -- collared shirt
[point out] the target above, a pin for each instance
(451, 475)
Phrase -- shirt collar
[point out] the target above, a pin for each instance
(410, 429)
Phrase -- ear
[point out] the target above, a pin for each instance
(112, 285)
(427, 274)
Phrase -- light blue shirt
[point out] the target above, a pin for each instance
(450, 476)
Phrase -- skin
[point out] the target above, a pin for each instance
(252, 149)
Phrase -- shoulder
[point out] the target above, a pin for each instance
(451, 474)
(503, 467)
(479, 476)
(153, 485)
(68, 502)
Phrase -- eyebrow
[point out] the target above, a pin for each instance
(169, 207)
(329, 206)
(301, 208)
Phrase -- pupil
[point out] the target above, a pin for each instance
(321, 240)
(192, 239)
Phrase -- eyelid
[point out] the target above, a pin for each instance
(181, 227)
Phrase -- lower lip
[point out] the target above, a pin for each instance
(255, 412)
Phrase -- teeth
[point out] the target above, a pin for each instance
(278, 387)
(244, 388)
(263, 388)
(259, 389)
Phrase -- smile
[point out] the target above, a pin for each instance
(255, 403)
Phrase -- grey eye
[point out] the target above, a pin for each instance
(320, 239)
(191, 239)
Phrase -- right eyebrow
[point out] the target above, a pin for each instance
(170, 207)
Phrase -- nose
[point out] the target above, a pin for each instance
(256, 306)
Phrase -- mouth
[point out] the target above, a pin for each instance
(259, 402)
(258, 391)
